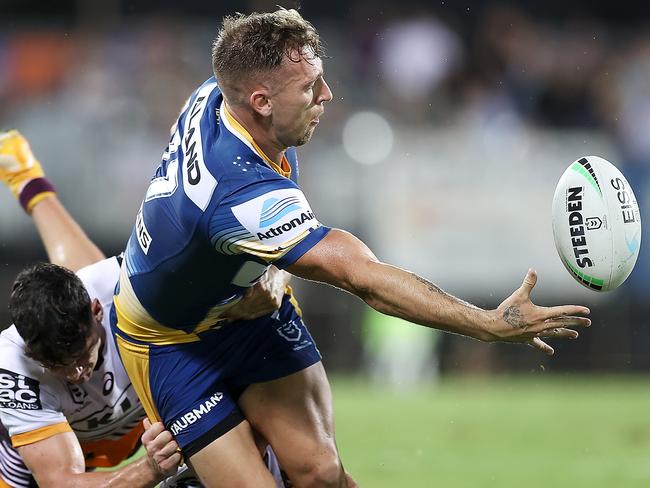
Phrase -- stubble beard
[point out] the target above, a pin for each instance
(306, 136)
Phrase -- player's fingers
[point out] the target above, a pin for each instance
(8, 162)
(563, 310)
(167, 450)
(529, 282)
(156, 433)
(537, 343)
(163, 438)
(567, 321)
(147, 423)
(171, 462)
(560, 333)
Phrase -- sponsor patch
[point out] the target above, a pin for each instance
(195, 414)
(19, 392)
(198, 183)
(277, 217)
(144, 238)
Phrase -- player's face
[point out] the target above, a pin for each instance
(301, 92)
(80, 368)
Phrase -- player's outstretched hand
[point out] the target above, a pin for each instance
(162, 450)
(262, 298)
(518, 319)
(18, 165)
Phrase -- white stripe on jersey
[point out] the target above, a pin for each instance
(198, 182)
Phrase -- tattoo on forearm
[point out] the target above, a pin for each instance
(513, 316)
(430, 285)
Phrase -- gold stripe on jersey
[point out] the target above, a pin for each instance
(135, 358)
(292, 299)
(39, 434)
(272, 253)
(284, 169)
(134, 320)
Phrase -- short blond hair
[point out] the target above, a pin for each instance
(247, 45)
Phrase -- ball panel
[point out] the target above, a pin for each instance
(596, 224)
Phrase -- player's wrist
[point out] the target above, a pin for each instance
(154, 474)
(486, 326)
(35, 191)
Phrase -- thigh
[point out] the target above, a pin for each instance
(295, 415)
(232, 460)
(190, 396)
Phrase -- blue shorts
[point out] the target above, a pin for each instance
(194, 386)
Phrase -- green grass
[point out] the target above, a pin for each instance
(512, 432)
(534, 431)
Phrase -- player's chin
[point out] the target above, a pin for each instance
(306, 137)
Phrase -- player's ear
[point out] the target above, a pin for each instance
(97, 310)
(260, 102)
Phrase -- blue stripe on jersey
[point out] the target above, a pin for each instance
(305, 245)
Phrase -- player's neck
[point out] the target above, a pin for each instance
(260, 134)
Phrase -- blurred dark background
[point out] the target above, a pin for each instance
(451, 124)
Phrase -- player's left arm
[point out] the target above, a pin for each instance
(65, 241)
(342, 260)
(59, 461)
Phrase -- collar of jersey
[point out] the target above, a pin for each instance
(241, 133)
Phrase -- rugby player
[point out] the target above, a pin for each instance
(65, 401)
(222, 207)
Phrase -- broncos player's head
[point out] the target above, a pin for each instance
(269, 66)
(60, 324)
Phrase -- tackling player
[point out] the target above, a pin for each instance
(223, 206)
(65, 401)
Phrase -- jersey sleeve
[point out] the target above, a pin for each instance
(30, 405)
(270, 220)
(28, 409)
(100, 278)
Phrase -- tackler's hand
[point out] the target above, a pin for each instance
(163, 452)
(262, 298)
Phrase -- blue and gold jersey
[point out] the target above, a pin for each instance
(217, 213)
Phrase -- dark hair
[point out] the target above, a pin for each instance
(255, 43)
(51, 310)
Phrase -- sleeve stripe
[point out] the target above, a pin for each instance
(39, 434)
(302, 247)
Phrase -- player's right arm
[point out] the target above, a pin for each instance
(59, 461)
(65, 242)
(342, 260)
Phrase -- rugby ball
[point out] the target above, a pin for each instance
(596, 224)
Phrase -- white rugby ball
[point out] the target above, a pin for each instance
(596, 223)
